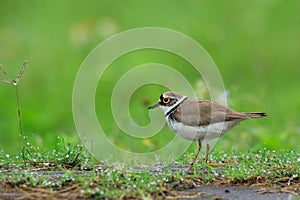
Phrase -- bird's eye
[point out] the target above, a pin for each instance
(166, 100)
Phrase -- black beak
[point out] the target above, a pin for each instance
(154, 106)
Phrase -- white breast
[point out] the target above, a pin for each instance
(208, 132)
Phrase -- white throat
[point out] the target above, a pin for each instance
(167, 109)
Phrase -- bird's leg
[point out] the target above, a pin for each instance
(197, 154)
(207, 152)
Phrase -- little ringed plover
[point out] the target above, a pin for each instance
(199, 120)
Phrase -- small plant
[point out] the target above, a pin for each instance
(8, 79)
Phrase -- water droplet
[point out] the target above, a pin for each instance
(7, 155)
(295, 175)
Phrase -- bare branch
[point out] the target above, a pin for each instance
(16, 81)
(6, 74)
(6, 81)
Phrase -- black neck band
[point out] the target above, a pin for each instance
(170, 111)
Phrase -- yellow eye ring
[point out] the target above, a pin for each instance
(166, 100)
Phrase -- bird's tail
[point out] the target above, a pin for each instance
(256, 114)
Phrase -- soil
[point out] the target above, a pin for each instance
(215, 192)
(249, 189)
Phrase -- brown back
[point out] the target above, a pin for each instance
(210, 112)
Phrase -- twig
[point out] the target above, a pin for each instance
(21, 72)
(15, 82)
(10, 79)
(5, 81)
(19, 113)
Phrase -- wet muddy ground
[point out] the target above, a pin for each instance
(214, 190)
(231, 192)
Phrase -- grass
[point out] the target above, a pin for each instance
(67, 171)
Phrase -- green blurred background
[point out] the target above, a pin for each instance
(255, 44)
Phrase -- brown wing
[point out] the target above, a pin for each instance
(210, 112)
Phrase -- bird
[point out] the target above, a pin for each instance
(199, 120)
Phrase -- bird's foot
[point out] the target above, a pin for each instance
(190, 168)
(214, 164)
